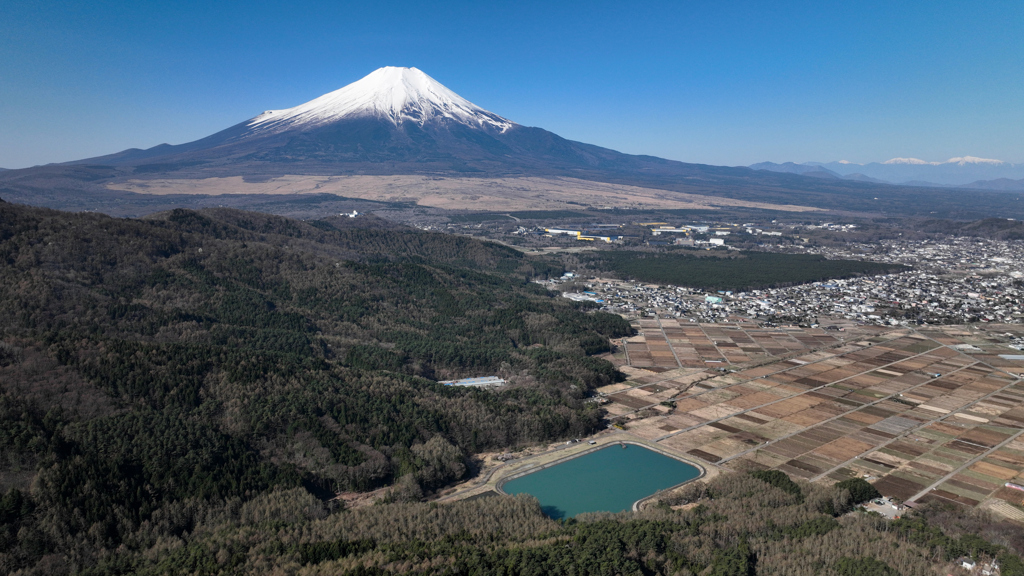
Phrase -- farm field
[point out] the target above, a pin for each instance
(935, 413)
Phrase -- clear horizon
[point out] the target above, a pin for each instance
(715, 84)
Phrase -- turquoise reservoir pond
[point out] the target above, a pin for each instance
(607, 480)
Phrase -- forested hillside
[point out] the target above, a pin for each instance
(153, 370)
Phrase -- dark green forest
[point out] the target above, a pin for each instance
(744, 270)
(187, 358)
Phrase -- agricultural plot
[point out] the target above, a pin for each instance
(923, 414)
(669, 343)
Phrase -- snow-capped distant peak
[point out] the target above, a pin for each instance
(964, 160)
(915, 161)
(391, 93)
(960, 160)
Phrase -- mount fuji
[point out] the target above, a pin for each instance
(400, 137)
(395, 120)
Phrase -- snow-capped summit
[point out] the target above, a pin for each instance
(912, 161)
(965, 160)
(394, 94)
(959, 160)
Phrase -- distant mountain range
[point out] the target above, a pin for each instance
(963, 172)
(815, 171)
(357, 141)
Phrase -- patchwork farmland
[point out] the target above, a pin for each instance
(932, 413)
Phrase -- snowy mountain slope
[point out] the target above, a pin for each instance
(959, 161)
(394, 94)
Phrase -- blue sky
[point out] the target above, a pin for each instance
(715, 82)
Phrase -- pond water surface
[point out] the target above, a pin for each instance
(607, 480)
